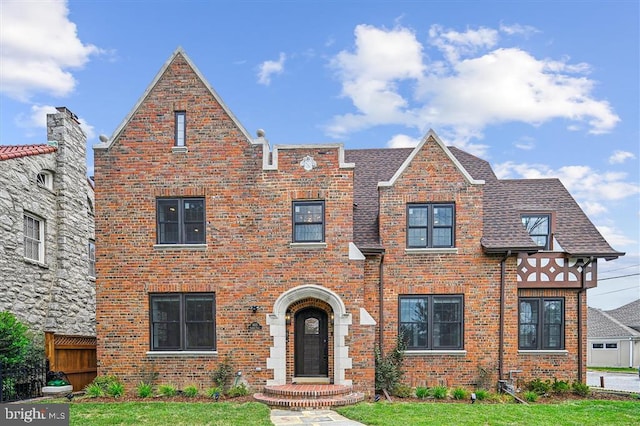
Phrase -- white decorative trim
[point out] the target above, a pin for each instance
(437, 352)
(308, 246)
(179, 149)
(355, 253)
(366, 318)
(442, 250)
(277, 360)
(308, 163)
(182, 353)
(194, 247)
(543, 352)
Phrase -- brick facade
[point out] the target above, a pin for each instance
(248, 259)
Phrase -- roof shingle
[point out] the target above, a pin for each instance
(8, 152)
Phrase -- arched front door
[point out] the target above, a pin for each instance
(311, 343)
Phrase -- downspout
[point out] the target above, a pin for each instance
(583, 288)
(381, 305)
(502, 297)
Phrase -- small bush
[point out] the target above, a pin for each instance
(440, 392)
(530, 396)
(238, 390)
(539, 387)
(222, 375)
(115, 389)
(460, 393)
(482, 394)
(389, 370)
(167, 390)
(144, 390)
(93, 390)
(560, 386)
(14, 339)
(190, 391)
(422, 392)
(105, 381)
(581, 389)
(213, 392)
(402, 391)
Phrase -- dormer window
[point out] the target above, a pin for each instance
(45, 179)
(539, 228)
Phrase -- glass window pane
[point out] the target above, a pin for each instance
(442, 237)
(552, 312)
(168, 233)
(417, 237)
(194, 233)
(199, 308)
(200, 335)
(308, 232)
(168, 210)
(527, 336)
(311, 326)
(180, 128)
(418, 216)
(194, 211)
(165, 308)
(166, 335)
(442, 216)
(552, 337)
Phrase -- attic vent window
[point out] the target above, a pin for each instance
(45, 179)
(181, 128)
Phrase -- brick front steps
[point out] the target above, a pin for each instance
(309, 396)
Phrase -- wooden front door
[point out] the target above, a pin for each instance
(311, 348)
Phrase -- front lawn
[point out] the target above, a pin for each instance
(582, 412)
(169, 413)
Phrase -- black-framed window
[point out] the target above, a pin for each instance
(181, 128)
(308, 221)
(540, 323)
(180, 221)
(539, 227)
(430, 225)
(183, 321)
(432, 322)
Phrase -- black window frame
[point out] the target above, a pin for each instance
(297, 223)
(182, 322)
(431, 322)
(430, 225)
(182, 222)
(542, 333)
(180, 137)
(530, 229)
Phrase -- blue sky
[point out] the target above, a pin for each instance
(538, 88)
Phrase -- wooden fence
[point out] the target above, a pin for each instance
(73, 355)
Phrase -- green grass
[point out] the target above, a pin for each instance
(615, 369)
(585, 412)
(169, 413)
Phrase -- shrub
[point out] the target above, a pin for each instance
(530, 396)
(460, 393)
(581, 389)
(93, 390)
(222, 375)
(422, 392)
(482, 394)
(389, 367)
(144, 390)
(440, 392)
(539, 387)
(9, 388)
(213, 392)
(115, 389)
(14, 340)
(190, 391)
(167, 390)
(105, 381)
(402, 391)
(560, 386)
(238, 390)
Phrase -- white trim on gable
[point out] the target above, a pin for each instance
(444, 148)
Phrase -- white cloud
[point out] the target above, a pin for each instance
(37, 120)
(619, 157)
(38, 46)
(402, 141)
(390, 80)
(614, 236)
(269, 68)
(525, 143)
(517, 29)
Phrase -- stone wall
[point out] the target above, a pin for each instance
(57, 294)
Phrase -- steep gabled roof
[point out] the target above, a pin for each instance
(178, 52)
(602, 325)
(628, 314)
(8, 152)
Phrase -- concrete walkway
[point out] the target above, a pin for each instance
(310, 418)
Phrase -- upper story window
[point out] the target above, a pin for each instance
(432, 322)
(92, 259)
(430, 225)
(183, 322)
(180, 221)
(181, 128)
(539, 227)
(45, 179)
(541, 323)
(33, 238)
(308, 221)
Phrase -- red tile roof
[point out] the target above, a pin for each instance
(8, 152)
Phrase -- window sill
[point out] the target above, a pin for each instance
(182, 353)
(308, 246)
(459, 352)
(440, 250)
(179, 149)
(195, 247)
(35, 262)
(543, 352)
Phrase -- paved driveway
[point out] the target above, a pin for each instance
(614, 381)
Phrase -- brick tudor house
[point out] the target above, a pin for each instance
(296, 261)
